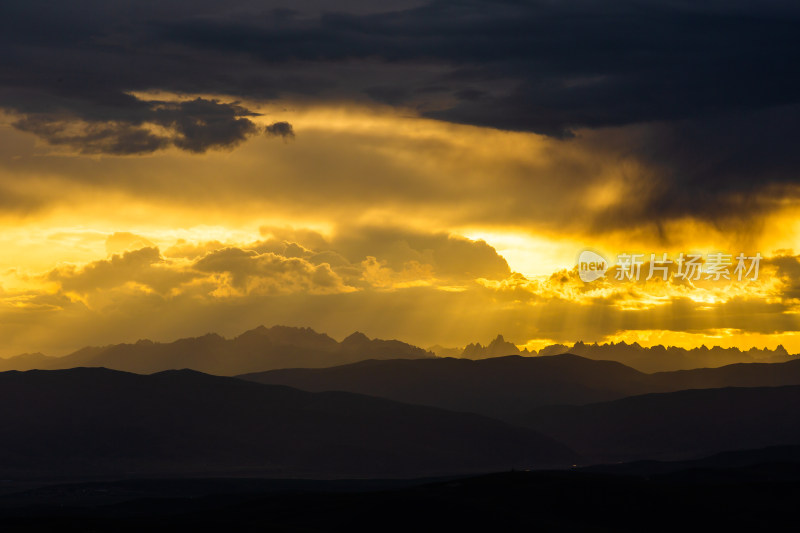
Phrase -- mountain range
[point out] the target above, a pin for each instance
(394, 418)
(255, 350)
(370, 408)
(677, 425)
(277, 347)
(87, 422)
(603, 410)
(647, 359)
(507, 387)
(667, 358)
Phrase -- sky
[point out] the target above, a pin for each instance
(427, 171)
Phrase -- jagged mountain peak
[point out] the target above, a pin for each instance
(356, 338)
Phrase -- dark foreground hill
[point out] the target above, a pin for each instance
(96, 422)
(758, 498)
(718, 464)
(676, 425)
(506, 387)
(255, 350)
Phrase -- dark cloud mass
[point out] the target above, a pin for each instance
(194, 126)
(716, 82)
(280, 129)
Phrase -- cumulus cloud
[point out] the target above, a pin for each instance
(144, 267)
(413, 274)
(448, 256)
(263, 279)
(392, 283)
(123, 241)
(253, 272)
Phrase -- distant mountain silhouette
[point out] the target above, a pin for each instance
(92, 421)
(26, 361)
(646, 359)
(277, 347)
(444, 351)
(676, 425)
(502, 386)
(255, 350)
(506, 387)
(497, 348)
(665, 359)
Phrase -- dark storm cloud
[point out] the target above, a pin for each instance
(716, 81)
(195, 126)
(568, 64)
(719, 168)
(280, 129)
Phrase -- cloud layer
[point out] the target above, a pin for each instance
(423, 287)
(715, 81)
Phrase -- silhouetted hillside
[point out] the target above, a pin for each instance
(255, 350)
(676, 425)
(736, 375)
(506, 387)
(502, 386)
(770, 461)
(734, 500)
(91, 421)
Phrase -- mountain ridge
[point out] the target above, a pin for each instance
(262, 349)
(506, 387)
(676, 425)
(96, 421)
(254, 350)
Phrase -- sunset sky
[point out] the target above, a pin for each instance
(427, 171)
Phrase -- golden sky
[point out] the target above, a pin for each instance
(425, 170)
(368, 219)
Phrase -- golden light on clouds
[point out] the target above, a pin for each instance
(371, 218)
